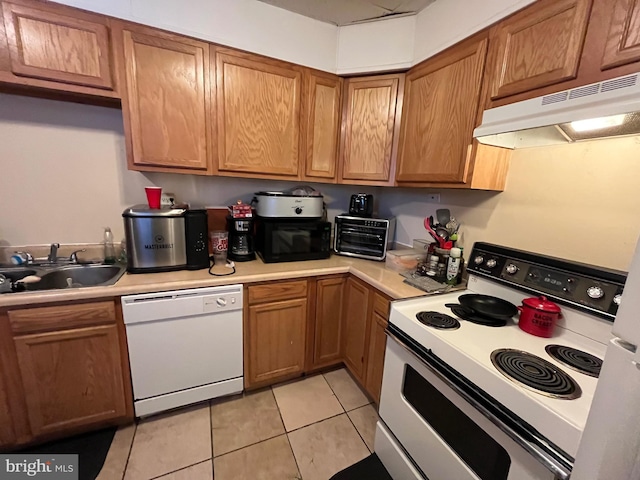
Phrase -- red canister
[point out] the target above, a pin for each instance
(538, 316)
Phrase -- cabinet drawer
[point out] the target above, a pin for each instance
(277, 291)
(61, 317)
(381, 305)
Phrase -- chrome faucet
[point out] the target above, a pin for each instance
(73, 258)
(53, 253)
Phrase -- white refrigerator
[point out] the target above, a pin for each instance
(610, 444)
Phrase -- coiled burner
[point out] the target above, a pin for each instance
(535, 373)
(578, 360)
(438, 320)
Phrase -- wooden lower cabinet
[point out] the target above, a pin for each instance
(355, 324)
(365, 318)
(327, 324)
(7, 431)
(64, 370)
(71, 378)
(375, 363)
(339, 318)
(275, 336)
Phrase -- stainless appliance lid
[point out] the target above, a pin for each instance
(298, 191)
(143, 210)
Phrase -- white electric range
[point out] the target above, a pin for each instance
(446, 409)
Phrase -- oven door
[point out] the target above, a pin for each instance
(290, 241)
(368, 242)
(446, 437)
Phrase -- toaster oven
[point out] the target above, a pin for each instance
(360, 237)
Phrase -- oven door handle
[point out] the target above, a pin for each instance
(348, 231)
(554, 460)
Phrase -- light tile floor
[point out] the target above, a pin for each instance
(307, 429)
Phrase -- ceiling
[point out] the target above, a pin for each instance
(345, 12)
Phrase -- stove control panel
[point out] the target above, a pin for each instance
(580, 285)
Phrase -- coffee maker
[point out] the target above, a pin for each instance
(241, 244)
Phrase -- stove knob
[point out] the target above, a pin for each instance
(617, 299)
(512, 269)
(595, 292)
(478, 260)
(491, 263)
(298, 210)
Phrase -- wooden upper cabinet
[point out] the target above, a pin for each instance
(323, 105)
(258, 109)
(371, 117)
(166, 105)
(441, 101)
(623, 37)
(48, 45)
(71, 378)
(539, 46)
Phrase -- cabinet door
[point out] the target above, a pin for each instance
(46, 45)
(167, 101)
(368, 125)
(355, 325)
(375, 361)
(328, 322)
(441, 102)
(623, 39)
(323, 126)
(258, 105)
(71, 378)
(276, 340)
(539, 46)
(7, 432)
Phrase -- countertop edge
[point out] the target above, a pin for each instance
(364, 272)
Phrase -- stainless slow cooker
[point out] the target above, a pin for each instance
(300, 202)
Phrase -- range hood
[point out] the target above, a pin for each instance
(600, 110)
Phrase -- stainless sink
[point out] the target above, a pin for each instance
(77, 276)
(16, 273)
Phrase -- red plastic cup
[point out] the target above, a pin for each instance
(153, 196)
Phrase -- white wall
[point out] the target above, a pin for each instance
(391, 44)
(64, 175)
(578, 202)
(376, 46)
(446, 22)
(245, 24)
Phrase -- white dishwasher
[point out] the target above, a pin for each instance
(185, 346)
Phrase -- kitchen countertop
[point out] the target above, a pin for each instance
(372, 272)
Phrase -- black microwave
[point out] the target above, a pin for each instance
(292, 240)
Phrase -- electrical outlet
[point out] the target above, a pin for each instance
(167, 199)
(433, 197)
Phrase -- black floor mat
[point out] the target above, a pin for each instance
(371, 468)
(91, 447)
